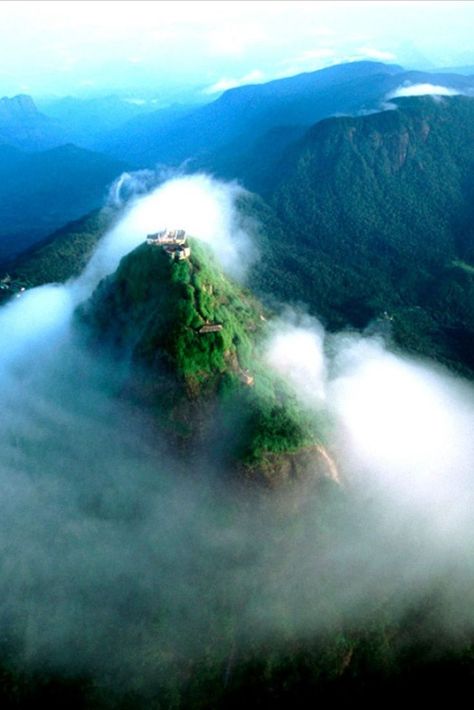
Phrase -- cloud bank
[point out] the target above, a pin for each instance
(253, 77)
(402, 430)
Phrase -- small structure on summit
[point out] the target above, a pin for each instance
(210, 328)
(167, 237)
(172, 241)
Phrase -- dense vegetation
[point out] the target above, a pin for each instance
(155, 307)
(62, 256)
(374, 220)
(369, 221)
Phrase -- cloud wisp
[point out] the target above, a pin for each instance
(253, 77)
(204, 207)
(423, 90)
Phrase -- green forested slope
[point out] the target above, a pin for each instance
(60, 257)
(376, 219)
(370, 214)
(154, 308)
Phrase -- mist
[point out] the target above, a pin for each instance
(204, 207)
(118, 555)
(423, 90)
(402, 436)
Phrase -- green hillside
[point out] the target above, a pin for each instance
(224, 135)
(368, 220)
(196, 340)
(58, 258)
(375, 216)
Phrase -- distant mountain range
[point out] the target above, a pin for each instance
(376, 221)
(368, 219)
(242, 135)
(94, 121)
(238, 120)
(41, 191)
(88, 123)
(131, 130)
(23, 126)
(377, 208)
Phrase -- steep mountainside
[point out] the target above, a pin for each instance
(195, 340)
(378, 210)
(40, 192)
(61, 256)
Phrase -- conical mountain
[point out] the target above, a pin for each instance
(194, 339)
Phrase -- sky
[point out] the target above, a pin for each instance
(173, 49)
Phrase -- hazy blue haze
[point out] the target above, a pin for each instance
(175, 50)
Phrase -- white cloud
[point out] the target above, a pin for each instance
(423, 90)
(308, 60)
(322, 57)
(402, 427)
(136, 101)
(234, 40)
(295, 351)
(322, 31)
(188, 42)
(253, 77)
(407, 427)
(377, 54)
(204, 207)
(94, 519)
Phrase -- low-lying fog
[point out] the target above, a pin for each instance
(114, 555)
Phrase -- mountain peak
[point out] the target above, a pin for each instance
(194, 340)
(171, 305)
(20, 106)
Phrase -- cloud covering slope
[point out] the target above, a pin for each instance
(117, 556)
